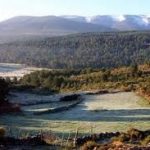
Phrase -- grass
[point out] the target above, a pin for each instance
(123, 111)
(67, 128)
(143, 102)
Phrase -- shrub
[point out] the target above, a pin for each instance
(2, 132)
(90, 145)
(135, 134)
(146, 141)
(122, 138)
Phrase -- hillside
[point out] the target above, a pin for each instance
(46, 25)
(28, 27)
(62, 25)
(118, 22)
(97, 50)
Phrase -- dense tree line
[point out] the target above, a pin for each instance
(96, 50)
(136, 78)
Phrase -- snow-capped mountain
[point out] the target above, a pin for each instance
(61, 25)
(120, 22)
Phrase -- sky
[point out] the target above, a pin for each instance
(11, 8)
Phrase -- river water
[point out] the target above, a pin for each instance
(4, 67)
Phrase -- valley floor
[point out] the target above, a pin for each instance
(96, 113)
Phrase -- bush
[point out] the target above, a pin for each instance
(90, 145)
(122, 138)
(146, 141)
(2, 132)
(135, 134)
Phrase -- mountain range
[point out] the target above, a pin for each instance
(47, 25)
(44, 41)
(120, 22)
(63, 25)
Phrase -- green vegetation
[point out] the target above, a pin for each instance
(99, 51)
(134, 78)
(96, 50)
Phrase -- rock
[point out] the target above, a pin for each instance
(70, 97)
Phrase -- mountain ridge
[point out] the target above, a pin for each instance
(114, 21)
(30, 27)
(47, 24)
(61, 25)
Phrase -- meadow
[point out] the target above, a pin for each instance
(96, 113)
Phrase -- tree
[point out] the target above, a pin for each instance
(134, 70)
(15, 80)
(4, 89)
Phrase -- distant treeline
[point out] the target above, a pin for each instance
(95, 50)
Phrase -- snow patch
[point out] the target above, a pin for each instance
(119, 18)
(146, 20)
(89, 19)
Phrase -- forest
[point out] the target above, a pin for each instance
(95, 50)
(134, 78)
